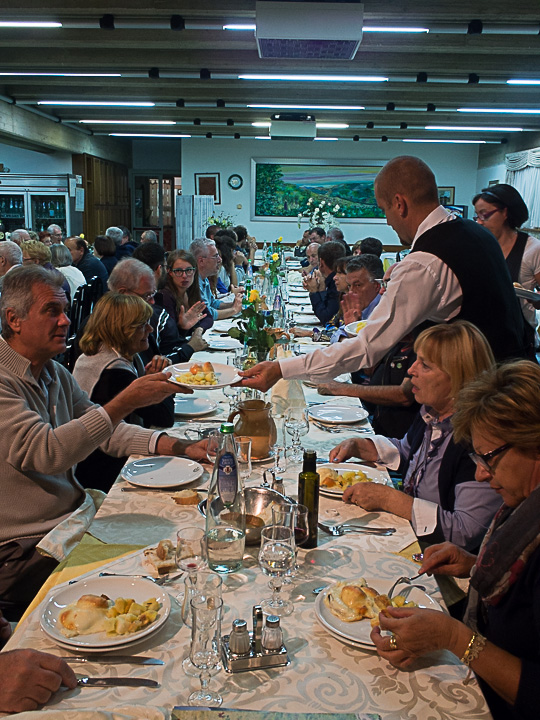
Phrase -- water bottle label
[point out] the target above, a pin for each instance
(227, 478)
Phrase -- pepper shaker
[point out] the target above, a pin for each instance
(239, 640)
(272, 635)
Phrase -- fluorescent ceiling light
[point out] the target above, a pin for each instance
(153, 135)
(523, 82)
(315, 78)
(128, 122)
(462, 142)
(380, 29)
(59, 74)
(262, 137)
(95, 103)
(281, 106)
(505, 111)
(325, 138)
(240, 26)
(331, 126)
(29, 24)
(261, 124)
(453, 128)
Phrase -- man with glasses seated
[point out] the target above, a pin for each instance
(208, 264)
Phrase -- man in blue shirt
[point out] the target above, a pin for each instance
(208, 264)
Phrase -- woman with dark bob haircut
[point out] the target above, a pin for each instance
(498, 415)
(181, 296)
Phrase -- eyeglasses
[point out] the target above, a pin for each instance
(213, 257)
(383, 283)
(146, 296)
(188, 272)
(485, 216)
(483, 460)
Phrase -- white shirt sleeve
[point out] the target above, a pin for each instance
(424, 517)
(388, 452)
(422, 287)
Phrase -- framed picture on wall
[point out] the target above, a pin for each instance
(208, 184)
(446, 195)
(283, 188)
(460, 210)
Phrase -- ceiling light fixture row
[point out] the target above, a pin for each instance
(110, 22)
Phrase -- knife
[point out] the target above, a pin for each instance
(112, 659)
(85, 681)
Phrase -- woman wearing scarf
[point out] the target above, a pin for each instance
(499, 416)
(440, 496)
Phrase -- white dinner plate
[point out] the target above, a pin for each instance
(304, 309)
(162, 471)
(139, 589)
(298, 292)
(333, 414)
(355, 327)
(226, 375)
(192, 406)
(299, 301)
(374, 474)
(380, 571)
(222, 343)
(222, 325)
(309, 320)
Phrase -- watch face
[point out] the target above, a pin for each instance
(235, 182)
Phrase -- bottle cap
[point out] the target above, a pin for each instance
(227, 427)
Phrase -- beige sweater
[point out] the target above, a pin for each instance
(46, 428)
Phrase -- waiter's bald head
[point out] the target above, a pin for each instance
(408, 176)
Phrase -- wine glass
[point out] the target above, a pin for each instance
(205, 650)
(276, 558)
(243, 455)
(212, 445)
(229, 391)
(295, 517)
(278, 450)
(297, 424)
(190, 557)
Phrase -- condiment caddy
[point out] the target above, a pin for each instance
(257, 656)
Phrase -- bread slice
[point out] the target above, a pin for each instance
(186, 497)
(160, 560)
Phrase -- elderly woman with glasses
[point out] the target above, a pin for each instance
(498, 415)
(502, 211)
(115, 334)
(440, 496)
(181, 296)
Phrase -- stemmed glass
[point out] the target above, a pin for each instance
(230, 392)
(278, 449)
(243, 455)
(190, 557)
(297, 424)
(295, 517)
(205, 650)
(276, 558)
(208, 584)
(212, 445)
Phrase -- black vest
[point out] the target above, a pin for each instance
(489, 300)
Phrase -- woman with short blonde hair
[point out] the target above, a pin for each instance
(35, 252)
(115, 334)
(440, 496)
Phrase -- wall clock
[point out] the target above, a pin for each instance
(235, 182)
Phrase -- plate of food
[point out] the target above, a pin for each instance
(335, 477)
(203, 376)
(192, 406)
(350, 608)
(105, 612)
(162, 471)
(355, 327)
(333, 414)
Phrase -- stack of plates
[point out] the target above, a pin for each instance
(139, 589)
(191, 406)
(333, 414)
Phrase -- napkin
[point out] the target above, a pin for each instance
(66, 535)
(286, 393)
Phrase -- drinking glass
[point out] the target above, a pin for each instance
(207, 584)
(190, 557)
(212, 445)
(243, 454)
(295, 517)
(279, 449)
(297, 424)
(205, 650)
(276, 558)
(231, 392)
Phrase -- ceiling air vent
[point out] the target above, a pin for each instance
(304, 30)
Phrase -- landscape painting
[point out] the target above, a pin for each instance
(282, 188)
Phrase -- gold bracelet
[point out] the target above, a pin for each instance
(473, 650)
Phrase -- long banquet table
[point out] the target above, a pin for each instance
(325, 675)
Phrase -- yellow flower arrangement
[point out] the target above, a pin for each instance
(254, 296)
(275, 257)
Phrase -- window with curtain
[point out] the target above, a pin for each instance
(523, 173)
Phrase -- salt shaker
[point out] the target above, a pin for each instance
(239, 640)
(272, 635)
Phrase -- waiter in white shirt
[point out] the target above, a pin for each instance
(455, 270)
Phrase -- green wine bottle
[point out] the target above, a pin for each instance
(308, 494)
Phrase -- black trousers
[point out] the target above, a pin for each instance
(22, 572)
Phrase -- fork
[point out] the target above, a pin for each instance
(341, 428)
(157, 581)
(405, 580)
